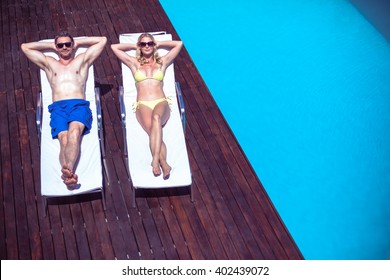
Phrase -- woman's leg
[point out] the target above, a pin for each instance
(144, 117)
(161, 114)
(166, 168)
(152, 122)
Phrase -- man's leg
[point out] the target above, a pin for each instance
(66, 173)
(63, 138)
(72, 149)
(71, 152)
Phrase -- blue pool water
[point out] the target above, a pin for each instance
(304, 85)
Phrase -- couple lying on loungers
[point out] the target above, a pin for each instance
(71, 116)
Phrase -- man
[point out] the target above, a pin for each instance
(70, 114)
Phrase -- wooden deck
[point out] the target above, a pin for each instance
(377, 13)
(232, 216)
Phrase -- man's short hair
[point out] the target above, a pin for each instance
(63, 34)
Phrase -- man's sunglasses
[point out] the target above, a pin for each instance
(66, 44)
(144, 44)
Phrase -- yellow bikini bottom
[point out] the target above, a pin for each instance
(152, 103)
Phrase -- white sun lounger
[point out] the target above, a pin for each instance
(136, 140)
(89, 167)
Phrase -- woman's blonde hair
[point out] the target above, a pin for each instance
(138, 53)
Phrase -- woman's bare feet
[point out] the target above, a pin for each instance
(166, 170)
(156, 168)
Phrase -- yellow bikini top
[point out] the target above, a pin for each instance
(139, 76)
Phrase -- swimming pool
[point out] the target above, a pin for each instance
(304, 86)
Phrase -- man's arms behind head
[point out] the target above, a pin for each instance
(34, 52)
(95, 46)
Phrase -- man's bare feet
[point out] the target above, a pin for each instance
(71, 183)
(66, 173)
(69, 178)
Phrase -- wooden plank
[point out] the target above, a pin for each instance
(150, 227)
(6, 174)
(120, 243)
(97, 238)
(56, 233)
(196, 238)
(19, 192)
(83, 245)
(12, 172)
(67, 230)
(205, 221)
(30, 211)
(46, 233)
(158, 215)
(174, 229)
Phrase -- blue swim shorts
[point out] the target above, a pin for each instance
(65, 111)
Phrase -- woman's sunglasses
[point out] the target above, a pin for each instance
(144, 44)
(66, 44)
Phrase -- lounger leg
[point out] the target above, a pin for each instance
(106, 172)
(44, 206)
(104, 158)
(101, 141)
(133, 198)
(123, 118)
(104, 200)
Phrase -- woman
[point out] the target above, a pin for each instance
(152, 107)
